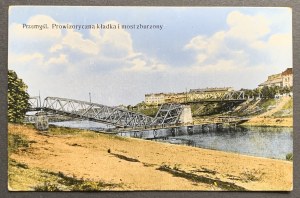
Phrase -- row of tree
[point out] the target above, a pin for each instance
(17, 98)
(266, 92)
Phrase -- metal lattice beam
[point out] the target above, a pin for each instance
(96, 112)
(34, 103)
(167, 114)
(216, 96)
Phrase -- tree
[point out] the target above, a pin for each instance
(17, 98)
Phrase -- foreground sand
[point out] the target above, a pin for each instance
(135, 164)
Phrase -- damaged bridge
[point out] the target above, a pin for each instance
(168, 114)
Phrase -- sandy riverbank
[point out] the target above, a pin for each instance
(269, 121)
(134, 164)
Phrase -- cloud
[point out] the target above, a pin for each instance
(75, 41)
(248, 42)
(115, 43)
(117, 67)
(247, 27)
(61, 59)
(24, 58)
(144, 65)
(55, 48)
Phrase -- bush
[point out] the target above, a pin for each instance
(17, 98)
(16, 141)
(289, 156)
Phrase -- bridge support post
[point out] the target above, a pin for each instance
(173, 133)
(41, 122)
(186, 115)
(190, 130)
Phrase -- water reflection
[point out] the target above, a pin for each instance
(270, 142)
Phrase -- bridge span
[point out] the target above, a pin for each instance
(168, 114)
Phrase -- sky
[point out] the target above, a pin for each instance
(197, 47)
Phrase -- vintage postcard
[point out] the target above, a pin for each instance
(150, 98)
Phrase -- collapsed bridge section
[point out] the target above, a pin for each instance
(122, 118)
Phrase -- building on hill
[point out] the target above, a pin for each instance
(155, 98)
(284, 79)
(193, 94)
(287, 77)
(214, 89)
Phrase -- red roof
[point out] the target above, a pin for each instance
(288, 71)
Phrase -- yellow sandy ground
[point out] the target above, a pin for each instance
(85, 155)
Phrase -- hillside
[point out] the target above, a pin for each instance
(270, 112)
(263, 112)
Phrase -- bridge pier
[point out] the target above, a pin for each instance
(190, 130)
(41, 122)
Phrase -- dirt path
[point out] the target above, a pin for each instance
(136, 164)
(283, 101)
(266, 119)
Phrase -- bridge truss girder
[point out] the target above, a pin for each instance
(215, 96)
(168, 114)
(234, 95)
(34, 103)
(96, 112)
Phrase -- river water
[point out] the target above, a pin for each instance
(269, 142)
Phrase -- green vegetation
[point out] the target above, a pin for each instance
(201, 179)
(289, 156)
(17, 142)
(149, 110)
(17, 98)
(253, 175)
(56, 130)
(266, 92)
(210, 108)
(67, 183)
(286, 111)
(288, 105)
(20, 175)
(266, 103)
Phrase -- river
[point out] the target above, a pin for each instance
(269, 142)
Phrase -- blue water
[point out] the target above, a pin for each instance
(82, 124)
(269, 142)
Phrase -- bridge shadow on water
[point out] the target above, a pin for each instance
(185, 135)
(188, 138)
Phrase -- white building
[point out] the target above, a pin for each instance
(154, 98)
(284, 79)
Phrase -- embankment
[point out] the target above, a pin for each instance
(274, 112)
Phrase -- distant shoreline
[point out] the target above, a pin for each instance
(269, 122)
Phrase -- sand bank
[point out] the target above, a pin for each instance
(134, 164)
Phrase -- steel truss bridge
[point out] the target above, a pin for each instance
(213, 96)
(168, 114)
(217, 96)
